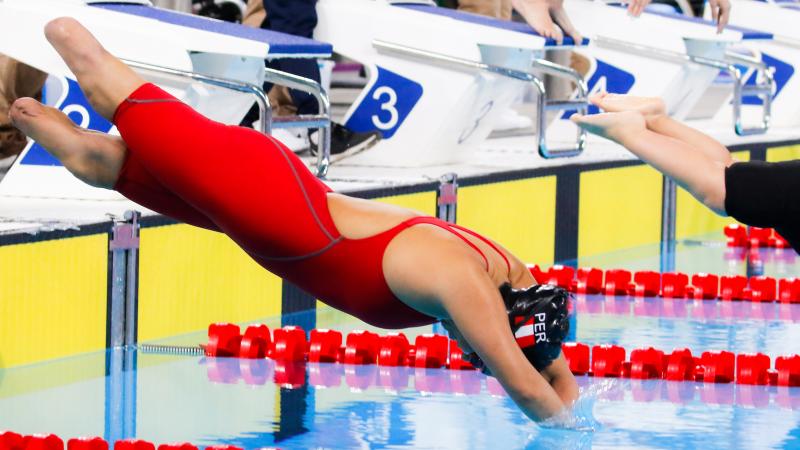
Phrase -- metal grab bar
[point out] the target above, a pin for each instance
(264, 108)
(321, 121)
(265, 122)
(762, 89)
(457, 63)
(580, 103)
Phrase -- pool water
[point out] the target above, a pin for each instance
(263, 403)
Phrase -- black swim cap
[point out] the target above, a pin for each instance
(538, 316)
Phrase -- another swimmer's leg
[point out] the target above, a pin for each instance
(105, 80)
(694, 170)
(94, 158)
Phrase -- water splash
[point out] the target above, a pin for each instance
(580, 416)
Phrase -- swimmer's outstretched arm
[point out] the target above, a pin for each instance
(654, 111)
(459, 289)
(686, 155)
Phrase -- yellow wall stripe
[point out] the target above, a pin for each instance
(52, 299)
(424, 202)
(693, 218)
(22, 380)
(619, 208)
(520, 215)
(190, 277)
(787, 153)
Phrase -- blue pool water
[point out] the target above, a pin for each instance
(257, 404)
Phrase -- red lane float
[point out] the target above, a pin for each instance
(256, 343)
(587, 281)
(394, 350)
(617, 282)
(430, 351)
(324, 346)
(178, 446)
(647, 363)
(717, 367)
(607, 360)
(731, 287)
(673, 285)
(702, 286)
(754, 237)
(289, 344)
(577, 356)
(87, 443)
(645, 284)
(680, 366)
(134, 444)
(224, 340)
(361, 348)
(705, 286)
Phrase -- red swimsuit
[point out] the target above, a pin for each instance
(254, 189)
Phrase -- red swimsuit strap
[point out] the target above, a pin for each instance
(486, 241)
(450, 227)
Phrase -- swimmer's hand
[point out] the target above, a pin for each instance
(636, 7)
(579, 417)
(619, 127)
(720, 12)
(649, 107)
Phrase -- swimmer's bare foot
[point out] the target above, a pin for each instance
(647, 106)
(94, 158)
(537, 14)
(619, 127)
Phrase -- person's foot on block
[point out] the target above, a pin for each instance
(294, 138)
(345, 142)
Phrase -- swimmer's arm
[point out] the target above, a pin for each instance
(562, 380)
(477, 310)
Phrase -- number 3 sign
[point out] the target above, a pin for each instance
(387, 104)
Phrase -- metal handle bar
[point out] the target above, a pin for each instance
(543, 105)
(740, 89)
(321, 121)
(265, 121)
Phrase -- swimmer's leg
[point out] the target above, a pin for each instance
(249, 185)
(105, 80)
(94, 158)
(100, 160)
(693, 169)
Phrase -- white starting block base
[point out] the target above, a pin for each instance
(33, 214)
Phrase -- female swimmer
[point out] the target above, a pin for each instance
(388, 266)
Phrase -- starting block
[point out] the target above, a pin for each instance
(215, 67)
(435, 100)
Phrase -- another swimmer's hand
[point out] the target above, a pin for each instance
(720, 12)
(649, 107)
(619, 127)
(636, 7)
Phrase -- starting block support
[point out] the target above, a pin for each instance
(123, 280)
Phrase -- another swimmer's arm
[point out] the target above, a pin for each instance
(667, 126)
(477, 310)
(695, 171)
